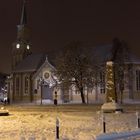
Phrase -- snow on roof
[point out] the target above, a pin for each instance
(103, 54)
(134, 59)
(30, 63)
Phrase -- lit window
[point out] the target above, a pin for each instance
(18, 46)
(28, 47)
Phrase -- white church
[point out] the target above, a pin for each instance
(32, 78)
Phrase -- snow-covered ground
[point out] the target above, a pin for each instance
(76, 122)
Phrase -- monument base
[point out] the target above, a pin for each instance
(111, 107)
(3, 112)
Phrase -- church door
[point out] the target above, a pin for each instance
(47, 93)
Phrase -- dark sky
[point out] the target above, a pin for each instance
(55, 22)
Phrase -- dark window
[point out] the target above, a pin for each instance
(38, 82)
(137, 79)
(102, 82)
(17, 85)
(26, 84)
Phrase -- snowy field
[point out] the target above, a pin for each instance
(76, 122)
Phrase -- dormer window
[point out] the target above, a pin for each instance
(18, 46)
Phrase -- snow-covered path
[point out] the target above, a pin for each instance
(82, 123)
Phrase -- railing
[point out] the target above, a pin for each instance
(121, 135)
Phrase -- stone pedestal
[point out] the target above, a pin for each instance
(111, 107)
(3, 112)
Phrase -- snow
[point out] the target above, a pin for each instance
(116, 136)
(76, 122)
(109, 63)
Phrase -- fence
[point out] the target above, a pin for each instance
(122, 135)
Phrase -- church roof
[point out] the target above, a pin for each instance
(103, 53)
(31, 63)
(134, 59)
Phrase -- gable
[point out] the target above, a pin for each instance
(45, 73)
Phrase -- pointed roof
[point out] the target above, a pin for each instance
(23, 19)
(31, 63)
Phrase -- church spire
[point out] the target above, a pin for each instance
(23, 30)
(21, 47)
(23, 20)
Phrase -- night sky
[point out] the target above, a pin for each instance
(55, 22)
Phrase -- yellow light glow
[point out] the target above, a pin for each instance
(18, 46)
(28, 47)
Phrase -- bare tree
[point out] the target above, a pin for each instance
(120, 54)
(75, 66)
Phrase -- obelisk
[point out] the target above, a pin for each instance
(110, 105)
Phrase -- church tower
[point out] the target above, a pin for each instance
(21, 47)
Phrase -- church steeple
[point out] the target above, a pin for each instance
(21, 47)
(23, 32)
(23, 20)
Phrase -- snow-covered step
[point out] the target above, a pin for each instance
(116, 136)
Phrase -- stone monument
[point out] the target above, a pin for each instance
(111, 105)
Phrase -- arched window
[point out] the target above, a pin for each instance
(26, 84)
(17, 85)
(102, 82)
(38, 83)
(137, 80)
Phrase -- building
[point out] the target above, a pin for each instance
(3, 86)
(30, 72)
(33, 80)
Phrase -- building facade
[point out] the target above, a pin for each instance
(33, 77)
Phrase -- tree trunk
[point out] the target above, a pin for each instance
(87, 95)
(121, 97)
(82, 96)
(96, 92)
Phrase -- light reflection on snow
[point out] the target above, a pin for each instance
(76, 124)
